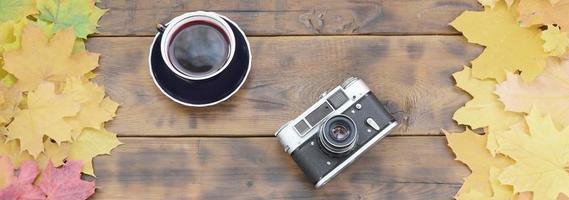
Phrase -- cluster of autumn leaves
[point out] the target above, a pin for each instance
(520, 99)
(51, 114)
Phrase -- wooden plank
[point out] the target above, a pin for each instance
(411, 74)
(293, 17)
(257, 168)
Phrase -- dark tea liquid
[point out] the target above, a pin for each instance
(199, 49)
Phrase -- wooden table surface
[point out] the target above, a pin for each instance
(403, 49)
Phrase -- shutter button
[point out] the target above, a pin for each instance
(358, 106)
(372, 123)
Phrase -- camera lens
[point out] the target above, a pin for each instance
(338, 134)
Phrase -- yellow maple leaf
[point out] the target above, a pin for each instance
(9, 99)
(11, 34)
(540, 12)
(510, 3)
(484, 110)
(524, 196)
(471, 195)
(11, 149)
(549, 92)
(509, 47)
(528, 196)
(541, 157)
(54, 153)
(95, 108)
(90, 143)
(48, 30)
(500, 191)
(470, 149)
(556, 42)
(492, 3)
(44, 115)
(41, 59)
(6, 172)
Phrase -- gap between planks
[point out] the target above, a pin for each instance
(242, 136)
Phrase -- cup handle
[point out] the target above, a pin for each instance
(160, 28)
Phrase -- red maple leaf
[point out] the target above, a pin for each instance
(65, 183)
(21, 187)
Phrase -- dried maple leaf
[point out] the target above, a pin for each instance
(95, 108)
(556, 42)
(471, 195)
(81, 15)
(79, 46)
(538, 12)
(528, 196)
(7, 79)
(509, 47)
(91, 143)
(492, 3)
(484, 110)
(43, 116)
(9, 100)
(41, 59)
(11, 34)
(21, 186)
(16, 9)
(11, 150)
(470, 149)
(549, 92)
(54, 153)
(47, 29)
(6, 172)
(65, 182)
(500, 191)
(541, 157)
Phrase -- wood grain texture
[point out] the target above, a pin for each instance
(411, 74)
(293, 17)
(257, 168)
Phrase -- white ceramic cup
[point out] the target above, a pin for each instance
(181, 22)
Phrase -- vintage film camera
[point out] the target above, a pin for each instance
(336, 130)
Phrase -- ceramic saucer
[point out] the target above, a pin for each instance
(203, 92)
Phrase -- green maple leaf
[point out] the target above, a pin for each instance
(16, 9)
(81, 15)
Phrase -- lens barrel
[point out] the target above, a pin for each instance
(338, 134)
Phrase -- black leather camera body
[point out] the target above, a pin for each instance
(336, 130)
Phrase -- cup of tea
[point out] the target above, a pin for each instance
(197, 45)
(199, 58)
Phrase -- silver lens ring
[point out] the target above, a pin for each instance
(333, 145)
